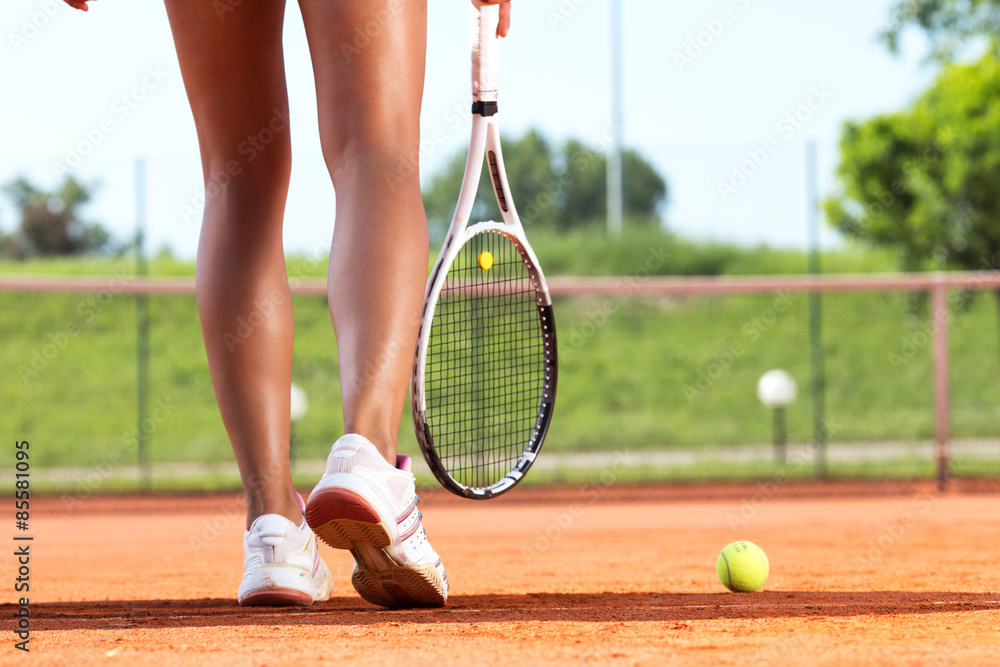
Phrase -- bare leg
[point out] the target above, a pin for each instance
(368, 59)
(234, 75)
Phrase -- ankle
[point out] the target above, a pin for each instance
(286, 505)
(386, 445)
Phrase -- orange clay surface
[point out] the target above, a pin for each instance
(589, 575)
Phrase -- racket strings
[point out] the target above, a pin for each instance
(485, 369)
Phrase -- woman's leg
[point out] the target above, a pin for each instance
(369, 63)
(368, 59)
(234, 75)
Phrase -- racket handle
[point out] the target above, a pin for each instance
(485, 19)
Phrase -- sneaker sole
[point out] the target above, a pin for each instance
(276, 597)
(281, 587)
(345, 520)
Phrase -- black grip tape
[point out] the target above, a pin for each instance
(484, 108)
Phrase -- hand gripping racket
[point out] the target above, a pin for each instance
(484, 376)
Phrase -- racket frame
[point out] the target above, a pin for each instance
(484, 147)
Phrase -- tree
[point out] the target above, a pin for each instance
(557, 189)
(50, 222)
(586, 194)
(949, 24)
(923, 181)
(528, 162)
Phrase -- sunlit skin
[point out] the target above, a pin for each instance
(369, 111)
(501, 29)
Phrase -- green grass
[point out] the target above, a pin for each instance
(647, 251)
(576, 253)
(635, 372)
(95, 266)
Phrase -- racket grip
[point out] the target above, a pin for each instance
(485, 19)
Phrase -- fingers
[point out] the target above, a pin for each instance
(504, 20)
(78, 4)
(504, 26)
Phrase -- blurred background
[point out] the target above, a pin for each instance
(744, 137)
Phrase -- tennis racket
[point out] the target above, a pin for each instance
(484, 376)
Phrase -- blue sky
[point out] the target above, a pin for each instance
(708, 86)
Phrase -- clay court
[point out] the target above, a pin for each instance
(595, 575)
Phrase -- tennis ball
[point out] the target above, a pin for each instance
(485, 260)
(742, 567)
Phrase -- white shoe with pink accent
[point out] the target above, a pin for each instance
(369, 507)
(282, 565)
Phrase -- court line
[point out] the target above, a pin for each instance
(594, 608)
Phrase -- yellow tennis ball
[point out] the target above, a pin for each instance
(742, 567)
(485, 260)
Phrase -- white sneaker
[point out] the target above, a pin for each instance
(282, 565)
(365, 505)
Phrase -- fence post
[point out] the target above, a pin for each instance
(141, 327)
(818, 379)
(940, 318)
